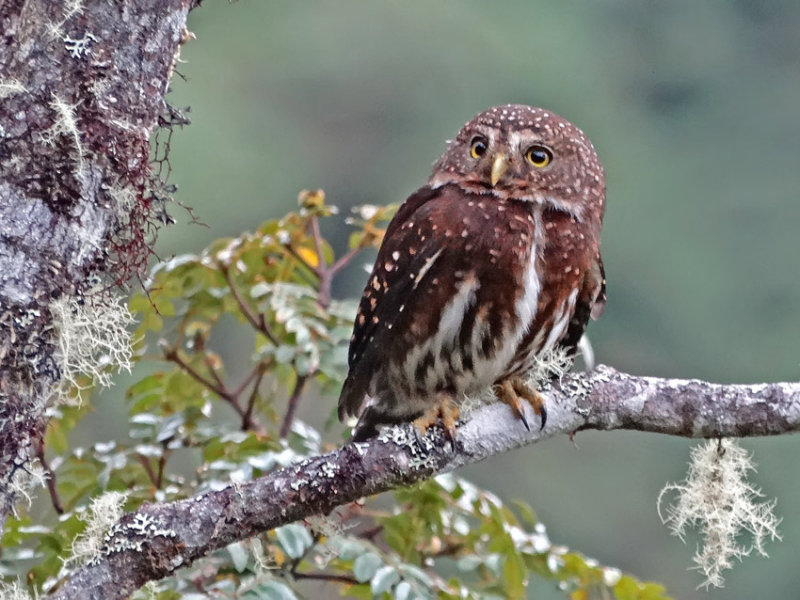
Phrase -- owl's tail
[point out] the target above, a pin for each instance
(352, 397)
(353, 401)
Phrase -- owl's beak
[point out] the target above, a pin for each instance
(499, 167)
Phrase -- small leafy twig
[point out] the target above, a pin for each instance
(324, 271)
(317, 237)
(247, 418)
(286, 426)
(213, 371)
(259, 368)
(344, 260)
(327, 577)
(257, 321)
(172, 355)
(162, 463)
(148, 468)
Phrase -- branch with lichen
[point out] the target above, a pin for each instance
(157, 539)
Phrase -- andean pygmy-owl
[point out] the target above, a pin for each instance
(494, 261)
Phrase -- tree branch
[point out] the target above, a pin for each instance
(153, 541)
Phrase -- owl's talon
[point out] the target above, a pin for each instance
(524, 421)
(513, 390)
(418, 434)
(443, 408)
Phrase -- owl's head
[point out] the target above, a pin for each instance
(525, 153)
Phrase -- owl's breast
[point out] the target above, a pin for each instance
(564, 258)
(470, 302)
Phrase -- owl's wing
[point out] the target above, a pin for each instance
(386, 291)
(590, 302)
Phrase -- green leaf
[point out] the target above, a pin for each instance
(525, 511)
(272, 590)
(654, 591)
(384, 579)
(414, 572)
(239, 556)
(514, 575)
(403, 591)
(350, 549)
(626, 589)
(294, 539)
(469, 563)
(365, 566)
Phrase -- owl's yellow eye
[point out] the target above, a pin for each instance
(478, 147)
(538, 156)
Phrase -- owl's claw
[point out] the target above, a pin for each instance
(443, 408)
(513, 390)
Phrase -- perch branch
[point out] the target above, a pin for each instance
(157, 539)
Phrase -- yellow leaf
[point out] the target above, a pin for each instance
(579, 595)
(278, 556)
(309, 256)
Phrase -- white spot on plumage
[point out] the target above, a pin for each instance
(425, 268)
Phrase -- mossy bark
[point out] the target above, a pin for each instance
(82, 87)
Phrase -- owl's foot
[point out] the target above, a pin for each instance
(445, 408)
(513, 390)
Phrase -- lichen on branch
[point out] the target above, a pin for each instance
(717, 499)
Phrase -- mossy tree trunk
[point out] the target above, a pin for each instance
(82, 85)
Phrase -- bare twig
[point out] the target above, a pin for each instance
(212, 369)
(162, 463)
(148, 468)
(327, 577)
(344, 260)
(172, 355)
(604, 399)
(247, 418)
(260, 367)
(317, 237)
(326, 275)
(52, 486)
(286, 426)
(257, 321)
(325, 283)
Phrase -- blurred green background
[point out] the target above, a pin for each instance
(693, 108)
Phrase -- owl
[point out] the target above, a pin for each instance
(493, 262)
